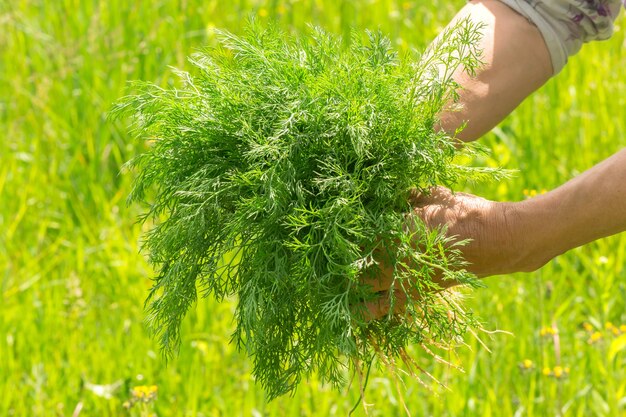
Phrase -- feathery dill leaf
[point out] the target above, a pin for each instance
(276, 173)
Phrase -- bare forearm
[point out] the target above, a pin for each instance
(516, 63)
(589, 207)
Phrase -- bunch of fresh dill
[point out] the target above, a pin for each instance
(279, 171)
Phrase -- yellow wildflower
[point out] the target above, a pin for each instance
(526, 365)
(595, 336)
(144, 392)
(138, 392)
(546, 371)
(561, 372)
(558, 371)
(588, 327)
(547, 331)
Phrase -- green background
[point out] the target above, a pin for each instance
(72, 281)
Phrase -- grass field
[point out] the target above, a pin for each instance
(72, 282)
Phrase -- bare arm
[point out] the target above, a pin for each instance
(589, 207)
(517, 63)
(523, 236)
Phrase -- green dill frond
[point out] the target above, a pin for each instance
(278, 171)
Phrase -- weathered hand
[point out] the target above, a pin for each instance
(489, 226)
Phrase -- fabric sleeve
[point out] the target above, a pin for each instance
(567, 24)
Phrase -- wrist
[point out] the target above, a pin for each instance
(535, 233)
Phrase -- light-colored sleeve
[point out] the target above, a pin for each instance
(567, 24)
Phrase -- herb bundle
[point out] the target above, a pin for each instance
(279, 172)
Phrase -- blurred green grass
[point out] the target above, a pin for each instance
(72, 282)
